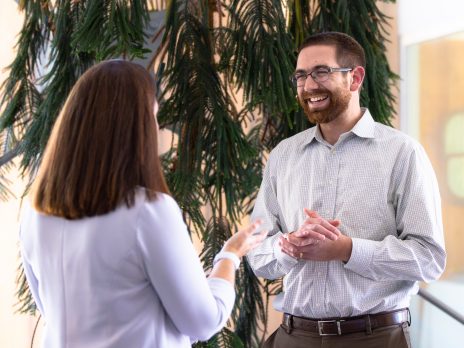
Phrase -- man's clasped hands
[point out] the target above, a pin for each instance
(317, 239)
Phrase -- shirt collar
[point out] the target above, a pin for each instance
(311, 134)
(364, 128)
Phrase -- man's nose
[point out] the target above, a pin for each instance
(310, 84)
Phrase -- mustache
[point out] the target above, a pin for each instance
(307, 94)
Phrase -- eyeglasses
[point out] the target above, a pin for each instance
(318, 75)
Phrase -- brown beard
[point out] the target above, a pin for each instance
(339, 101)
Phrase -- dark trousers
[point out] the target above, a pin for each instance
(386, 337)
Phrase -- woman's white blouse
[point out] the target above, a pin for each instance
(130, 278)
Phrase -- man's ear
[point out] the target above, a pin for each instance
(358, 78)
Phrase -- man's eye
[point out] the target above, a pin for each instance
(299, 77)
(321, 72)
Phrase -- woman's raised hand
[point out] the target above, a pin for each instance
(245, 240)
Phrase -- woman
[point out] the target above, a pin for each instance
(105, 250)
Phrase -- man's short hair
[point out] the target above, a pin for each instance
(349, 53)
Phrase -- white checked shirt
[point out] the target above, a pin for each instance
(380, 184)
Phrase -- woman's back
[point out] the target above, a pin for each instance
(107, 281)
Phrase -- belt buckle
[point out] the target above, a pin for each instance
(288, 322)
(320, 327)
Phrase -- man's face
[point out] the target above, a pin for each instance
(322, 102)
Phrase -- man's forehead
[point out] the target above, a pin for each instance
(315, 55)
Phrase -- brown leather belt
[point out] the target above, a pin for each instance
(341, 326)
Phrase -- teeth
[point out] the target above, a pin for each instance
(318, 98)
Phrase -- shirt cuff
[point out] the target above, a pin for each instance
(285, 261)
(362, 254)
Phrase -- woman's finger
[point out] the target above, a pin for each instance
(253, 228)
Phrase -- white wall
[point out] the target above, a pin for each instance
(420, 20)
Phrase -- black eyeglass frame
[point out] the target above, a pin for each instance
(329, 70)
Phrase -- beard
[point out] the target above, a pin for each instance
(339, 101)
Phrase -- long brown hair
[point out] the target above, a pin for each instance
(103, 146)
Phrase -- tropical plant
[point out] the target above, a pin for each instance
(223, 69)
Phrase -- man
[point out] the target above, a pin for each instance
(353, 210)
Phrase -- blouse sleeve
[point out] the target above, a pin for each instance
(198, 307)
(31, 278)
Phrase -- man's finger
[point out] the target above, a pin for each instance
(311, 213)
(300, 242)
(318, 231)
(327, 225)
(312, 233)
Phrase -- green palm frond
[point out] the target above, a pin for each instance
(64, 68)
(186, 190)
(299, 19)
(260, 54)
(26, 304)
(7, 152)
(70, 56)
(259, 48)
(250, 312)
(20, 97)
(211, 145)
(214, 236)
(111, 28)
(5, 192)
(224, 339)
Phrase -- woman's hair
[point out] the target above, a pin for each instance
(103, 146)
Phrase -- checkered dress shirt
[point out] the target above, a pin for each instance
(380, 184)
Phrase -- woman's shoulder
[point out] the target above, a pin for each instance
(161, 214)
(158, 199)
(29, 215)
(161, 206)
